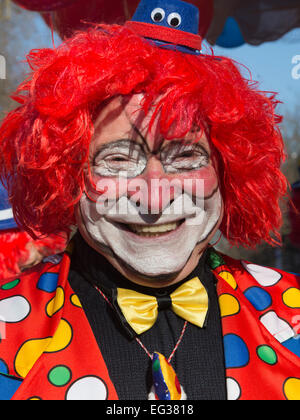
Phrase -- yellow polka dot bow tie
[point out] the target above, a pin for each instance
(139, 312)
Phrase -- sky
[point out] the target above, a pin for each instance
(271, 65)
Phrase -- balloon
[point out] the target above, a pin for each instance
(231, 36)
(44, 5)
(72, 18)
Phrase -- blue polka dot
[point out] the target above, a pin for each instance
(293, 345)
(3, 367)
(48, 282)
(259, 298)
(8, 387)
(236, 352)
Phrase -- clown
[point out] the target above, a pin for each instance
(149, 147)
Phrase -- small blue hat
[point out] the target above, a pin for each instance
(7, 220)
(172, 24)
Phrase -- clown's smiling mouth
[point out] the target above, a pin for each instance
(151, 231)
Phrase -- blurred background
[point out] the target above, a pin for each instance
(263, 35)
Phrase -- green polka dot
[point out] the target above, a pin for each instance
(267, 355)
(60, 376)
(10, 285)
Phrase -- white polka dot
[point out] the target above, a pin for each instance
(14, 309)
(89, 388)
(233, 389)
(266, 277)
(276, 326)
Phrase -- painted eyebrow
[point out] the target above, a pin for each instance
(161, 148)
(143, 138)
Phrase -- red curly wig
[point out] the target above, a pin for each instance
(45, 141)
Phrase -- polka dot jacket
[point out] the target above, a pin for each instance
(48, 350)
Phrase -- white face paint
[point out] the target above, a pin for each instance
(152, 256)
(162, 242)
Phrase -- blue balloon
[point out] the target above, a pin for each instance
(231, 37)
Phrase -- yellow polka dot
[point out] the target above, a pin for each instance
(291, 298)
(56, 303)
(292, 389)
(62, 337)
(29, 354)
(34, 399)
(228, 277)
(31, 350)
(229, 305)
(75, 300)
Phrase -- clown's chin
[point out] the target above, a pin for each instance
(135, 272)
(153, 255)
(146, 255)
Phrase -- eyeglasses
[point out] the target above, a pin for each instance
(126, 158)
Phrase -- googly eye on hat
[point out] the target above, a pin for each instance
(7, 220)
(172, 24)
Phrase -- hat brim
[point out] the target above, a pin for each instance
(169, 35)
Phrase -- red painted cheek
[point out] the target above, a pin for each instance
(200, 182)
(112, 188)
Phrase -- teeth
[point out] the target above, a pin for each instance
(154, 230)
